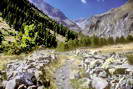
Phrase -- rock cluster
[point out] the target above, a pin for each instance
(28, 73)
(106, 71)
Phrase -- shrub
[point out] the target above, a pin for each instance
(85, 41)
(27, 39)
(9, 47)
(129, 38)
(94, 41)
(62, 47)
(102, 42)
(120, 40)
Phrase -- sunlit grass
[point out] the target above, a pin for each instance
(114, 48)
(4, 59)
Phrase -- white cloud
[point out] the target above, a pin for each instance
(100, 0)
(84, 1)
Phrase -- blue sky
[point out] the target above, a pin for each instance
(75, 9)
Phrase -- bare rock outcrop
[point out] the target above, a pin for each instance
(114, 23)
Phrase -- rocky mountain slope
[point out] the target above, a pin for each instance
(115, 23)
(55, 13)
(81, 22)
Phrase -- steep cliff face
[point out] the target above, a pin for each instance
(115, 23)
(55, 13)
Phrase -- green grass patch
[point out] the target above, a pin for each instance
(77, 84)
(130, 59)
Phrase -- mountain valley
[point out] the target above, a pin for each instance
(41, 48)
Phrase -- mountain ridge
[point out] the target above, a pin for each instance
(55, 14)
(95, 25)
(114, 23)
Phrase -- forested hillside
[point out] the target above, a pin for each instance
(31, 25)
(55, 14)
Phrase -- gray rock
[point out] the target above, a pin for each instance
(4, 83)
(24, 78)
(86, 82)
(32, 87)
(41, 87)
(77, 75)
(103, 74)
(38, 74)
(11, 84)
(99, 83)
(22, 87)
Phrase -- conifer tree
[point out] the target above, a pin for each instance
(129, 38)
(110, 40)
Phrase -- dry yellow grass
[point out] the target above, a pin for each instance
(58, 37)
(115, 48)
(6, 29)
(3, 24)
(4, 59)
(10, 38)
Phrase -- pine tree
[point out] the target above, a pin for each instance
(122, 39)
(110, 40)
(130, 38)
(94, 41)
